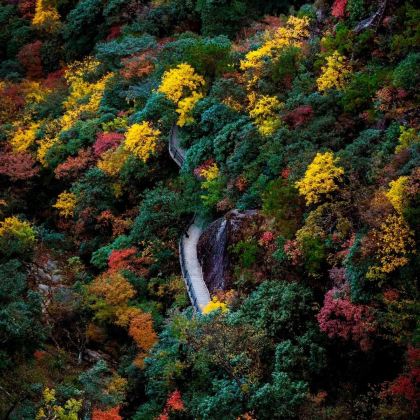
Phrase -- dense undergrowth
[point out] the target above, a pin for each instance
(306, 112)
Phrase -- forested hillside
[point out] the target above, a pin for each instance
(300, 128)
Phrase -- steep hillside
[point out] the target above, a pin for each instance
(298, 132)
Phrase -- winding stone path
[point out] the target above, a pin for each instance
(190, 266)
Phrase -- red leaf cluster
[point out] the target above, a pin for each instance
(106, 141)
(203, 167)
(293, 251)
(27, 8)
(173, 403)
(407, 385)
(338, 9)
(12, 99)
(114, 32)
(266, 238)
(339, 317)
(111, 414)
(72, 167)
(17, 166)
(121, 258)
(30, 58)
(299, 116)
(137, 66)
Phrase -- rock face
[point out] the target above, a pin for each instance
(212, 248)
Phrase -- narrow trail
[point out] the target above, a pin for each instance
(190, 266)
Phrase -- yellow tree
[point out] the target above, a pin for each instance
(141, 140)
(112, 161)
(23, 139)
(293, 33)
(183, 86)
(264, 111)
(66, 204)
(408, 137)
(215, 305)
(394, 242)
(84, 99)
(321, 178)
(46, 15)
(334, 74)
(395, 193)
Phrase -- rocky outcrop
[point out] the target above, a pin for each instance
(214, 243)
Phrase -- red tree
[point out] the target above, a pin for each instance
(339, 317)
(338, 9)
(299, 116)
(407, 386)
(17, 166)
(74, 165)
(30, 58)
(111, 414)
(106, 141)
(173, 403)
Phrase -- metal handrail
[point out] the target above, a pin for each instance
(173, 151)
(179, 159)
(187, 277)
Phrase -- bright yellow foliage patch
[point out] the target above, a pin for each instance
(46, 15)
(395, 241)
(84, 99)
(291, 34)
(334, 74)
(185, 107)
(180, 82)
(183, 86)
(210, 173)
(141, 140)
(66, 204)
(112, 161)
(263, 111)
(396, 193)
(215, 305)
(22, 230)
(320, 178)
(51, 410)
(23, 139)
(408, 138)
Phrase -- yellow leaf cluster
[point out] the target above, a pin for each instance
(66, 204)
(263, 111)
(141, 140)
(46, 15)
(291, 34)
(22, 230)
(113, 288)
(395, 241)
(180, 82)
(113, 160)
(210, 173)
(183, 86)
(334, 74)
(24, 138)
(84, 98)
(395, 193)
(43, 146)
(215, 305)
(185, 107)
(320, 178)
(51, 410)
(408, 137)
(34, 92)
